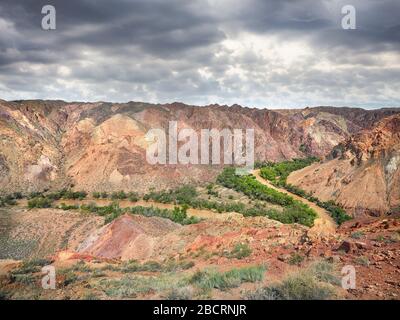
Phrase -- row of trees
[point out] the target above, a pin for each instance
(277, 174)
(113, 211)
(294, 211)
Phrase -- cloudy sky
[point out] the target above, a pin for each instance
(257, 53)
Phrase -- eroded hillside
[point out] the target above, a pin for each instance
(101, 146)
(362, 173)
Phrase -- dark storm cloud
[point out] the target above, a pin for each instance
(255, 52)
(378, 23)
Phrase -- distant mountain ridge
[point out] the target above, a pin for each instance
(101, 146)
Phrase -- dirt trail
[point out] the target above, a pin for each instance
(323, 225)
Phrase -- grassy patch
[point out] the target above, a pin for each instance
(132, 286)
(296, 259)
(113, 211)
(67, 277)
(363, 261)
(65, 207)
(357, 235)
(26, 279)
(178, 214)
(240, 251)
(170, 265)
(212, 279)
(3, 295)
(313, 284)
(25, 273)
(31, 266)
(89, 296)
(184, 293)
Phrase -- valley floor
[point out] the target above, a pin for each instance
(102, 249)
(225, 256)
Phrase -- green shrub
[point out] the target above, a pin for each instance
(296, 259)
(26, 279)
(324, 271)
(154, 266)
(68, 277)
(315, 283)
(104, 195)
(35, 195)
(184, 293)
(90, 296)
(96, 195)
(277, 174)
(380, 238)
(133, 196)
(25, 272)
(8, 200)
(210, 279)
(120, 195)
(294, 212)
(362, 260)
(80, 266)
(55, 195)
(3, 295)
(31, 266)
(252, 188)
(357, 235)
(73, 195)
(240, 251)
(65, 207)
(178, 214)
(113, 211)
(17, 195)
(299, 287)
(132, 286)
(39, 203)
(183, 195)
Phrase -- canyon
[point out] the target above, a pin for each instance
(361, 173)
(50, 145)
(187, 231)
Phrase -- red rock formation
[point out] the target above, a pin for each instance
(128, 237)
(101, 146)
(362, 173)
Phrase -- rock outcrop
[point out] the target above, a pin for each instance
(362, 173)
